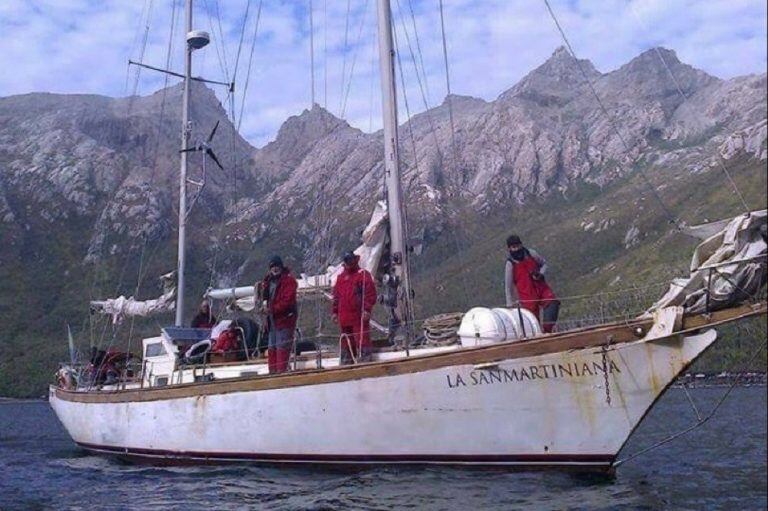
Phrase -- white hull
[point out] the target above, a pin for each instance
(522, 411)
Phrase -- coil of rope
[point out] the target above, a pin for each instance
(442, 329)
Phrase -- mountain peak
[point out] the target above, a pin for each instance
(297, 136)
(657, 72)
(561, 52)
(314, 123)
(654, 59)
(656, 54)
(562, 64)
(555, 81)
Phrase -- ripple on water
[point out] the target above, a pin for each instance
(720, 465)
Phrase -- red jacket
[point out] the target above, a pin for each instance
(532, 293)
(282, 304)
(353, 293)
(227, 341)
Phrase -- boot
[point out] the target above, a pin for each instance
(282, 357)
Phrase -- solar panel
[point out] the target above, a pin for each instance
(185, 335)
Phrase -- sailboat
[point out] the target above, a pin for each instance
(506, 394)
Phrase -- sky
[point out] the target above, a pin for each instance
(82, 46)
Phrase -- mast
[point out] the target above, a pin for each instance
(190, 44)
(185, 134)
(396, 209)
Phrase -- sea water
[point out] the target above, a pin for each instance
(722, 465)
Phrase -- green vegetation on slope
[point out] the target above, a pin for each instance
(460, 268)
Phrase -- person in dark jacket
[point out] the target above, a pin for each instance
(354, 296)
(278, 295)
(525, 284)
(204, 318)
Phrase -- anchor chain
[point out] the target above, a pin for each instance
(604, 354)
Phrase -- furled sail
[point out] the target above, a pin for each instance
(374, 240)
(728, 267)
(122, 307)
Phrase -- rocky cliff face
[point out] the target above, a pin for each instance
(540, 137)
(88, 190)
(109, 166)
(109, 162)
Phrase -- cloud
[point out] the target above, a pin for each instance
(82, 46)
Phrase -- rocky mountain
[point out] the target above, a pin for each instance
(88, 183)
(538, 138)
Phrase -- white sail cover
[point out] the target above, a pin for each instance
(729, 265)
(122, 307)
(374, 239)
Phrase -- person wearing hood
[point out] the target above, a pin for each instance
(354, 296)
(526, 285)
(278, 295)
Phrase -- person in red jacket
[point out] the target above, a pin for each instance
(354, 296)
(278, 295)
(524, 274)
(226, 341)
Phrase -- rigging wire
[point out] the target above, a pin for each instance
(218, 41)
(344, 61)
(405, 103)
(236, 123)
(427, 109)
(168, 57)
(142, 264)
(700, 420)
(222, 39)
(408, 284)
(372, 84)
(312, 52)
(100, 264)
(418, 48)
(135, 42)
(250, 62)
(354, 59)
(145, 21)
(235, 128)
(424, 90)
(670, 216)
(242, 37)
(115, 328)
(325, 54)
(449, 97)
(684, 96)
(143, 50)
